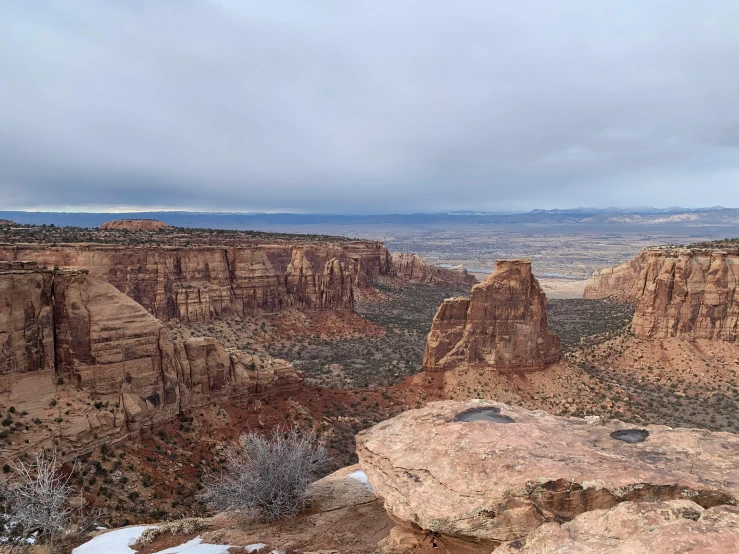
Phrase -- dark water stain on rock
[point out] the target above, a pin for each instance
(631, 436)
(489, 413)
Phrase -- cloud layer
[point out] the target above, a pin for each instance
(360, 107)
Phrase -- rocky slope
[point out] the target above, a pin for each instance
(66, 337)
(689, 293)
(503, 325)
(486, 472)
(413, 268)
(135, 225)
(199, 283)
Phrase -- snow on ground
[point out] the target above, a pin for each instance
(119, 541)
(361, 476)
(113, 542)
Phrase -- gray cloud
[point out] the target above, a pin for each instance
(377, 106)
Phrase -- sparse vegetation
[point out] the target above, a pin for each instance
(268, 476)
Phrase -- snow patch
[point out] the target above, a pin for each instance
(361, 476)
(113, 542)
(254, 547)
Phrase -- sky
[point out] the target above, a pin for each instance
(388, 106)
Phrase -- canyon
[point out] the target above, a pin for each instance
(201, 283)
(107, 358)
(78, 341)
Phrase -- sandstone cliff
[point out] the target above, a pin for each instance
(686, 293)
(135, 225)
(413, 268)
(503, 325)
(200, 283)
(65, 335)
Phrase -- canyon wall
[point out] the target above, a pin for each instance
(413, 268)
(66, 337)
(679, 292)
(503, 325)
(199, 283)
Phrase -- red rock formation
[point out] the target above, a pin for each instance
(503, 325)
(683, 293)
(65, 326)
(135, 225)
(413, 268)
(200, 283)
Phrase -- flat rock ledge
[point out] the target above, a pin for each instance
(485, 471)
(638, 528)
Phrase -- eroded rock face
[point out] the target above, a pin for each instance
(683, 293)
(64, 333)
(200, 283)
(135, 225)
(503, 325)
(482, 470)
(413, 268)
(638, 527)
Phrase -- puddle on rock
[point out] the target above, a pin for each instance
(630, 435)
(490, 413)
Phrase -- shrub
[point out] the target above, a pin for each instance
(268, 476)
(37, 502)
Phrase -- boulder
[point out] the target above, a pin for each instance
(503, 325)
(482, 470)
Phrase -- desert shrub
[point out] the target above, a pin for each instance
(36, 503)
(268, 476)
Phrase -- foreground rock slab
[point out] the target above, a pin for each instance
(638, 528)
(485, 471)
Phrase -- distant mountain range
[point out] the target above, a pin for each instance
(223, 220)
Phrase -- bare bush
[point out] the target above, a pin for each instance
(37, 503)
(268, 476)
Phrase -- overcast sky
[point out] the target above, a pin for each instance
(377, 106)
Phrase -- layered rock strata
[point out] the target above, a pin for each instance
(200, 283)
(413, 268)
(678, 292)
(67, 330)
(638, 527)
(503, 325)
(486, 471)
